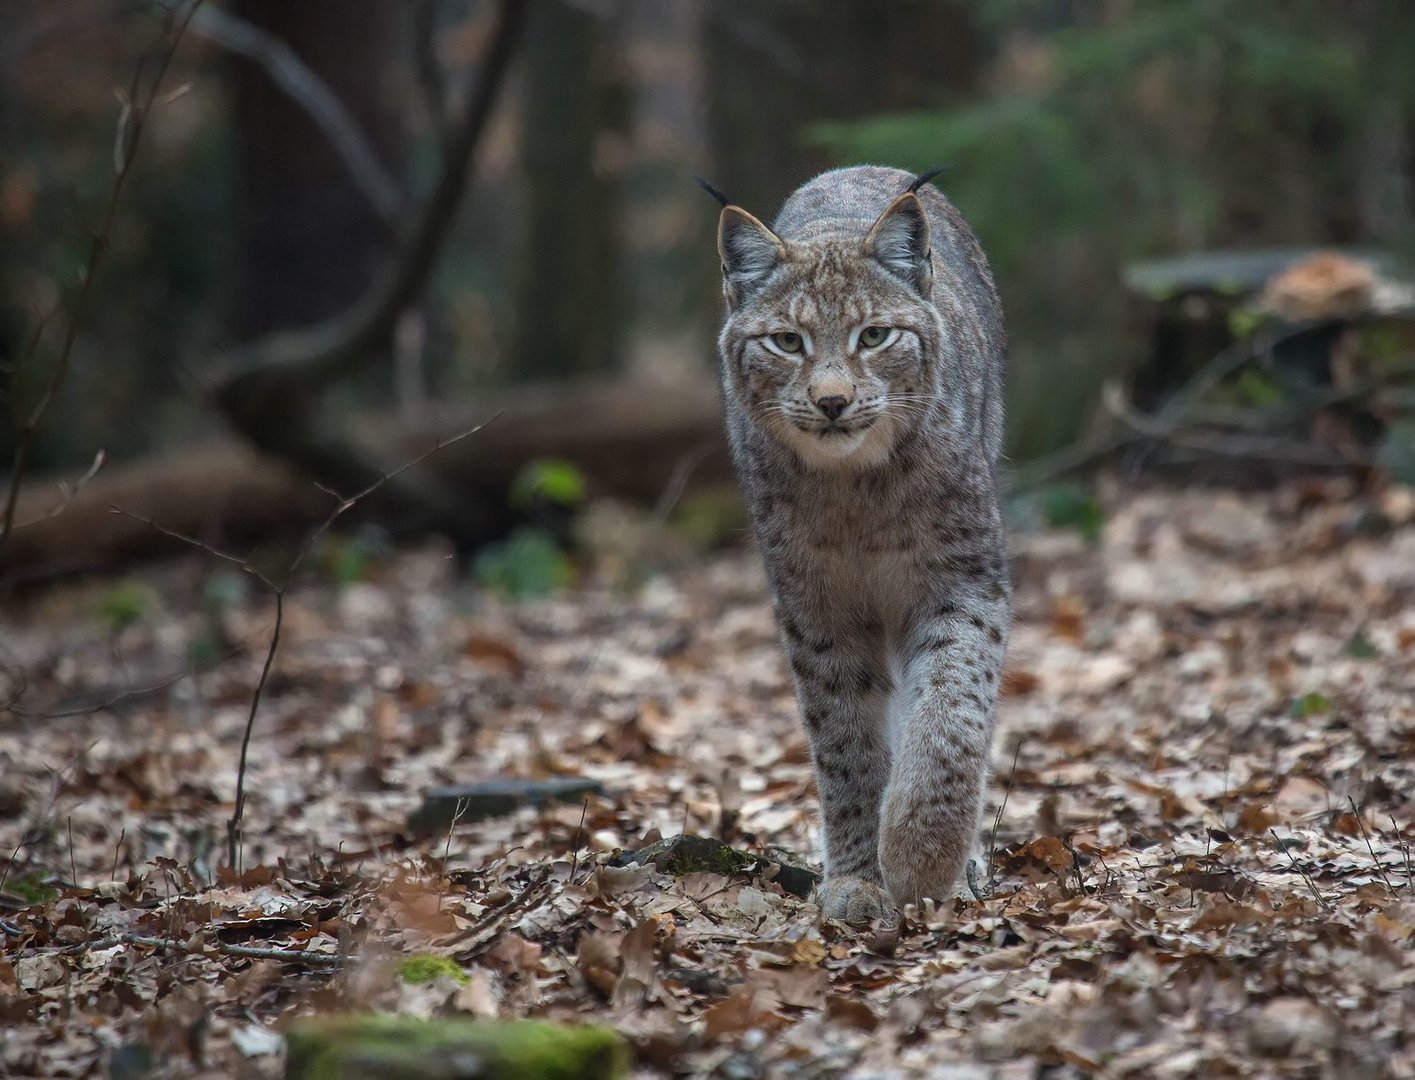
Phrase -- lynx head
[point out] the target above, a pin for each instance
(830, 342)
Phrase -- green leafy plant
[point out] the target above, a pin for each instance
(1072, 506)
(124, 604)
(548, 480)
(527, 563)
(424, 968)
(1313, 704)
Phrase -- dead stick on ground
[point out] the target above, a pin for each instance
(997, 820)
(579, 832)
(1300, 869)
(457, 813)
(1404, 850)
(298, 956)
(1370, 847)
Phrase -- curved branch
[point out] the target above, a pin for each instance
(309, 359)
(293, 76)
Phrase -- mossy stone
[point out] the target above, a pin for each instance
(373, 1047)
(425, 967)
(679, 855)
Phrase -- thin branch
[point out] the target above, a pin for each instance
(348, 504)
(1221, 443)
(117, 698)
(1371, 847)
(299, 956)
(68, 492)
(997, 819)
(316, 355)
(137, 108)
(314, 96)
(1404, 850)
(1300, 869)
(233, 826)
(480, 936)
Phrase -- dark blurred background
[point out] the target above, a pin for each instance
(1093, 144)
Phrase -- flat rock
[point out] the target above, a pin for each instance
(493, 798)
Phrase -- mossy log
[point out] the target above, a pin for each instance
(373, 1047)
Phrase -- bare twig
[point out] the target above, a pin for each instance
(67, 492)
(1404, 850)
(997, 819)
(317, 355)
(117, 850)
(457, 813)
(579, 833)
(313, 95)
(138, 104)
(278, 591)
(477, 937)
(1370, 847)
(117, 698)
(299, 956)
(1168, 422)
(1300, 869)
(1225, 444)
(5, 875)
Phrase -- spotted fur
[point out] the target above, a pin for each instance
(879, 524)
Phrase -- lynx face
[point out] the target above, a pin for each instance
(830, 343)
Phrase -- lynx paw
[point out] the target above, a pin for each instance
(855, 900)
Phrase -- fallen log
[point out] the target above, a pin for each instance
(630, 440)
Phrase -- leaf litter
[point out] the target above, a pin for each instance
(1201, 859)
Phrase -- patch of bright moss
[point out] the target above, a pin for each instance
(425, 967)
(31, 888)
(374, 1047)
(679, 855)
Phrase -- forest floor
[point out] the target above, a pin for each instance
(1204, 770)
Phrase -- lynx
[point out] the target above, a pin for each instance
(862, 366)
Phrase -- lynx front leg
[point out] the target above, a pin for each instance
(941, 738)
(842, 698)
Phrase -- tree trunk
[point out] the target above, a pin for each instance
(310, 242)
(567, 296)
(776, 66)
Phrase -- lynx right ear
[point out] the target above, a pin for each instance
(749, 250)
(899, 240)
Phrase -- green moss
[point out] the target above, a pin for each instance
(377, 1047)
(679, 855)
(425, 967)
(31, 888)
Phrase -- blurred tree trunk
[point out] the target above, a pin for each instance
(309, 241)
(776, 66)
(567, 293)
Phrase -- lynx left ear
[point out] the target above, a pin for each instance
(899, 240)
(750, 252)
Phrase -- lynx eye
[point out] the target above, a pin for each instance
(871, 337)
(788, 341)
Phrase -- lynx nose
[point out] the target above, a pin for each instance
(832, 406)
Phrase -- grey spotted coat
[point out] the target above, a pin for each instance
(862, 366)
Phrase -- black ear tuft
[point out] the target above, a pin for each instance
(922, 179)
(722, 199)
